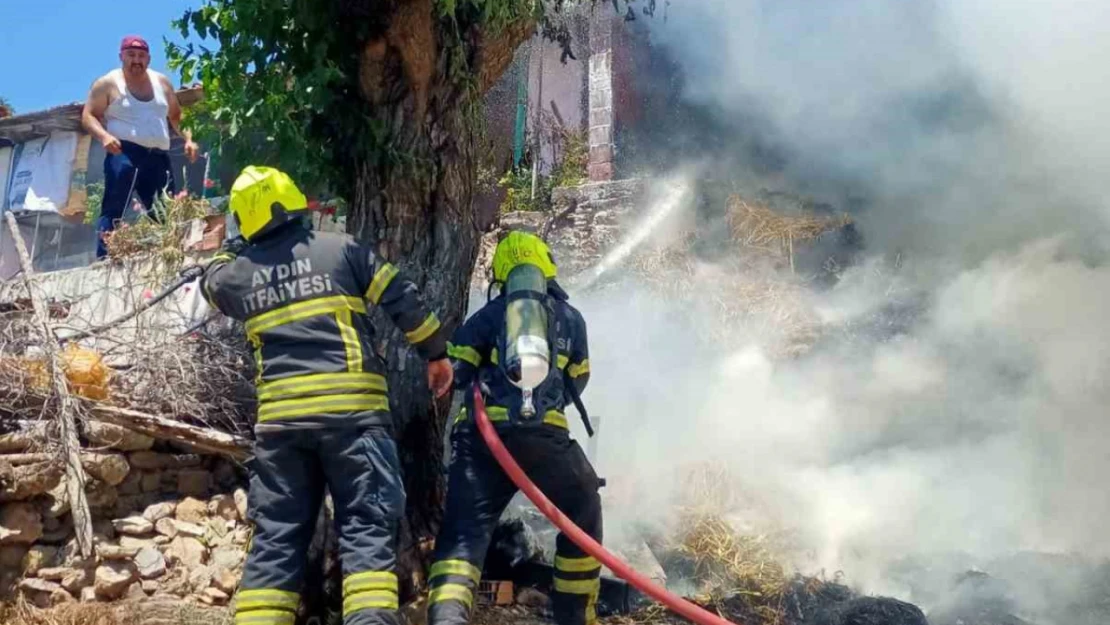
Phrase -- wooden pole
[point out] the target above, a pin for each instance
(536, 130)
(201, 439)
(35, 238)
(67, 404)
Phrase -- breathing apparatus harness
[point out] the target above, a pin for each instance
(527, 343)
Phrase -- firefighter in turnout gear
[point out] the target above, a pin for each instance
(323, 406)
(533, 426)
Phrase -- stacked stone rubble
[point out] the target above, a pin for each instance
(165, 523)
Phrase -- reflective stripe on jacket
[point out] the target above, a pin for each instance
(304, 298)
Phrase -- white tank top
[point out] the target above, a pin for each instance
(130, 119)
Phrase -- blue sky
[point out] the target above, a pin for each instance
(52, 50)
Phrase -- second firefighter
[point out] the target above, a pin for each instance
(533, 426)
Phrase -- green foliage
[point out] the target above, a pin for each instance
(279, 71)
(518, 192)
(340, 206)
(571, 170)
(162, 237)
(568, 171)
(281, 87)
(281, 78)
(94, 196)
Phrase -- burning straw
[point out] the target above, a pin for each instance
(744, 303)
(741, 577)
(727, 564)
(735, 569)
(767, 233)
(725, 560)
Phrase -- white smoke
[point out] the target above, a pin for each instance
(975, 128)
(952, 113)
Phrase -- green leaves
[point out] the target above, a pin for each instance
(490, 14)
(188, 71)
(446, 7)
(265, 79)
(182, 25)
(281, 79)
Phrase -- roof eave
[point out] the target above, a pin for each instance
(20, 128)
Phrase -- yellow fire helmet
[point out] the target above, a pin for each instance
(519, 248)
(262, 199)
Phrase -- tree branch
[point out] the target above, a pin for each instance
(67, 403)
(201, 439)
(494, 51)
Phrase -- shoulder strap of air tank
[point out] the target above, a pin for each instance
(577, 399)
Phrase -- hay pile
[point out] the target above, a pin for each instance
(745, 303)
(762, 232)
(734, 566)
(21, 612)
(744, 568)
(753, 291)
(727, 564)
(742, 577)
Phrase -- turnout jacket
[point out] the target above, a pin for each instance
(304, 298)
(474, 353)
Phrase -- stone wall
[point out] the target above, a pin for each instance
(584, 224)
(589, 221)
(165, 523)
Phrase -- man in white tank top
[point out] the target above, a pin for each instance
(131, 111)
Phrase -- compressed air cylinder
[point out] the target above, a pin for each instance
(528, 353)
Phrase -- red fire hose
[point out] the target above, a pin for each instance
(582, 539)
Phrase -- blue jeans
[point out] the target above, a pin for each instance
(135, 172)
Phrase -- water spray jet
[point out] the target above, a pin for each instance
(676, 194)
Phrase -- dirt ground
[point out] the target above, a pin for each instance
(149, 612)
(167, 612)
(158, 612)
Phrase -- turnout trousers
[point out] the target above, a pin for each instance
(361, 469)
(478, 491)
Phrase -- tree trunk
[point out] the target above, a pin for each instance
(416, 209)
(422, 222)
(419, 218)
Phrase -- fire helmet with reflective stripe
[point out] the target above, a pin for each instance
(522, 248)
(262, 199)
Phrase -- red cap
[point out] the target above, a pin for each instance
(133, 42)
